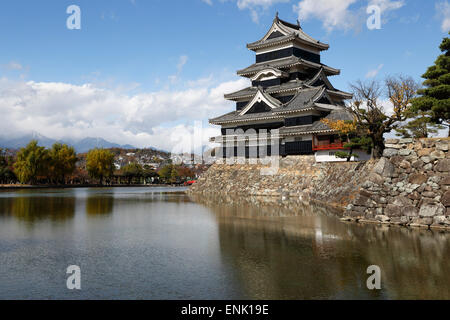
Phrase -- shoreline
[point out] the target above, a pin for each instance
(79, 186)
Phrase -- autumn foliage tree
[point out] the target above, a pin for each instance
(172, 173)
(100, 164)
(32, 161)
(371, 117)
(132, 171)
(62, 162)
(352, 136)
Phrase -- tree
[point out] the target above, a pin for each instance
(435, 97)
(369, 113)
(170, 173)
(149, 172)
(166, 172)
(62, 161)
(185, 173)
(6, 169)
(32, 161)
(420, 127)
(348, 132)
(100, 164)
(132, 170)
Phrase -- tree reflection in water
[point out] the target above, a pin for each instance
(292, 250)
(29, 208)
(99, 204)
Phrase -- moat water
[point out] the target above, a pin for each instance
(157, 243)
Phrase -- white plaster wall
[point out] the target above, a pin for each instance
(324, 156)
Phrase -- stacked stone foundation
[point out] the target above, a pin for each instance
(408, 186)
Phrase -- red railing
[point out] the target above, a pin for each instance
(329, 146)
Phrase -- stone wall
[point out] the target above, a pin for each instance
(408, 186)
(297, 176)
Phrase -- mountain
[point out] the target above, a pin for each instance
(16, 143)
(87, 144)
(80, 146)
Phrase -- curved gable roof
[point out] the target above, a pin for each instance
(270, 70)
(304, 99)
(320, 75)
(289, 32)
(284, 63)
(261, 96)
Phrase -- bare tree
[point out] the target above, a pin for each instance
(371, 117)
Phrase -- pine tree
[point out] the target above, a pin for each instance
(420, 127)
(435, 97)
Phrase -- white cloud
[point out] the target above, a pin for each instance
(374, 72)
(443, 11)
(245, 4)
(387, 5)
(181, 63)
(341, 14)
(333, 14)
(62, 110)
(13, 65)
(256, 7)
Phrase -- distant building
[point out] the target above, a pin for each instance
(154, 166)
(290, 92)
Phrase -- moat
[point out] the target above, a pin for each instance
(158, 243)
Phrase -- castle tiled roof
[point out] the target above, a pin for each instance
(312, 96)
(286, 63)
(289, 86)
(235, 117)
(251, 91)
(304, 100)
(289, 32)
(317, 126)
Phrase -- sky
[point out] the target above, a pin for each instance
(147, 72)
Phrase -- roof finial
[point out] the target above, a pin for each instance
(298, 24)
(276, 17)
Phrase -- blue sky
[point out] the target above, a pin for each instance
(148, 68)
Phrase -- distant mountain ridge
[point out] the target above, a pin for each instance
(81, 146)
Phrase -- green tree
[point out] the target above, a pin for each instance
(32, 161)
(132, 171)
(174, 175)
(353, 143)
(435, 97)
(149, 172)
(62, 161)
(420, 127)
(6, 172)
(348, 133)
(166, 172)
(100, 164)
(169, 173)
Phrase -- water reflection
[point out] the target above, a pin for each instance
(144, 243)
(290, 250)
(99, 205)
(26, 207)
